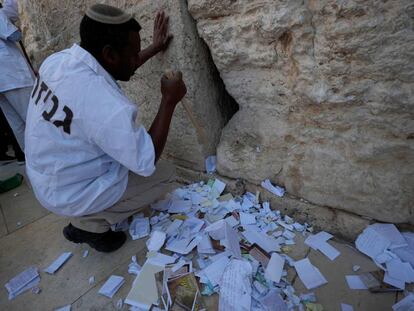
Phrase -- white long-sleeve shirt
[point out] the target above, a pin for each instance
(81, 136)
(14, 70)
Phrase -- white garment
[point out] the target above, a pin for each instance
(10, 8)
(15, 72)
(14, 105)
(80, 166)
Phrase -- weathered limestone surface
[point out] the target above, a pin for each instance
(325, 90)
(326, 95)
(54, 25)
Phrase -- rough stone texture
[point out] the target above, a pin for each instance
(326, 92)
(51, 26)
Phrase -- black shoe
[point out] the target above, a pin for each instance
(103, 242)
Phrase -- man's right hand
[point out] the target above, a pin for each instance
(173, 88)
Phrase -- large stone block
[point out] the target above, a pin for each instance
(326, 92)
(51, 26)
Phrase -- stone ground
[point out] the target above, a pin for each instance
(30, 235)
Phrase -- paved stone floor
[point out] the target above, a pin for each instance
(30, 235)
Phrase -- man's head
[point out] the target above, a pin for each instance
(112, 37)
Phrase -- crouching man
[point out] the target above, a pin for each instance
(81, 135)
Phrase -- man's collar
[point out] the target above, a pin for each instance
(87, 58)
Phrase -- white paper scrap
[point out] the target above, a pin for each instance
(205, 246)
(139, 228)
(211, 164)
(162, 205)
(310, 276)
(247, 219)
(355, 282)
(22, 282)
(217, 189)
(394, 282)
(232, 221)
(214, 271)
(111, 286)
(268, 243)
(276, 190)
(180, 206)
(371, 243)
(406, 304)
(390, 232)
(156, 241)
(274, 268)
(85, 253)
(235, 286)
(172, 229)
(144, 292)
(400, 270)
(65, 308)
(273, 301)
(346, 307)
(228, 237)
(91, 280)
(58, 263)
(159, 259)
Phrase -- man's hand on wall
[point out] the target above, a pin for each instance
(161, 37)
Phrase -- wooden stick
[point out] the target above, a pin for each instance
(201, 134)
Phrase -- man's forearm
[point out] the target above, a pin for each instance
(147, 53)
(160, 127)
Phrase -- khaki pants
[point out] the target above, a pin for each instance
(140, 192)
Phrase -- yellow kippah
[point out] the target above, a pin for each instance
(107, 14)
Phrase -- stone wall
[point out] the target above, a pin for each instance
(326, 95)
(325, 90)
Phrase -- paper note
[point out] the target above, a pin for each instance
(214, 271)
(355, 282)
(391, 233)
(235, 286)
(134, 267)
(139, 228)
(144, 291)
(22, 282)
(228, 237)
(162, 205)
(319, 242)
(406, 253)
(276, 190)
(346, 307)
(406, 304)
(111, 286)
(180, 206)
(274, 268)
(265, 241)
(211, 164)
(232, 221)
(400, 270)
(159, 259)
(371, 243)
(394, 282)
(172, 229)
(273, 301)
(58, 263)
(217, 189)
(156, 241)
(65, 308)
(247, 219)
(310, 276)
(205, 246)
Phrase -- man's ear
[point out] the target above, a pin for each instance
(109, 55)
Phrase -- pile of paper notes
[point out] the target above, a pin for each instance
(235, 244)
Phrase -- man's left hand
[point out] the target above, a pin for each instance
(161, 37)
